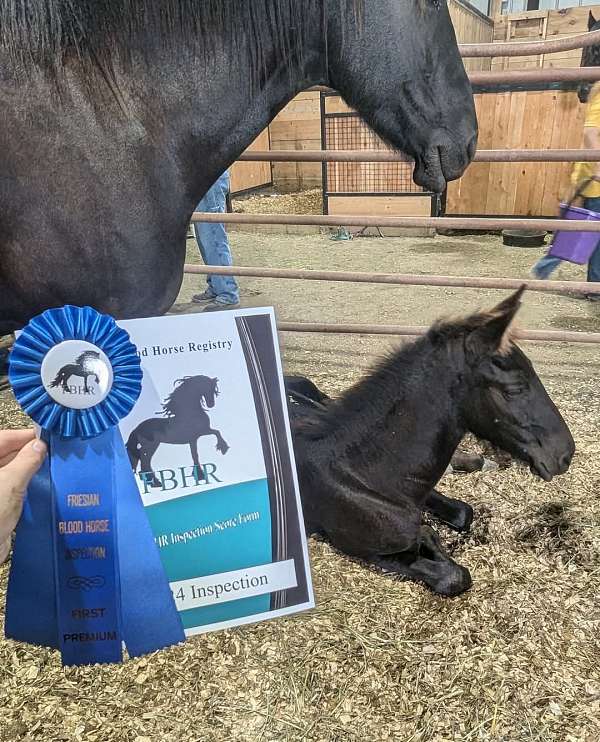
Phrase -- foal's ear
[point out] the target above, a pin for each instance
(591, 21)
(492, 332)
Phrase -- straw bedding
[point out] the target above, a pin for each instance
(514, 659)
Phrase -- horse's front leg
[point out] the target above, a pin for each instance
(454, 513)
(222, 444)
(146, 451)
(194, 452)
(86, 388)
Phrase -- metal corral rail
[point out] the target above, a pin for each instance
(377, 155)
(482, 224)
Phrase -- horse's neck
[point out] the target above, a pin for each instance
(407, 425)
(224, 110)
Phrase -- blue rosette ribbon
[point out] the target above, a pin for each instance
(86, 575)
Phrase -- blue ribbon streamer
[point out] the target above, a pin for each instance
(86, 574)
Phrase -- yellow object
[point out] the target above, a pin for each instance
(584, 170)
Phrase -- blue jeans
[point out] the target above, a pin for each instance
(214, 245)
(546, 266)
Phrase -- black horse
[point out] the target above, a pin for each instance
(368, 462)
(87, 364)
(184, 420)
(590, 57)
(116, 116)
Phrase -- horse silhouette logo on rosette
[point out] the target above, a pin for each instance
(75, 360)
(89, 363)
(183, 420)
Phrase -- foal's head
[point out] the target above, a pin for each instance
(503, 400)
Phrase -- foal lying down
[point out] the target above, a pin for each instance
(368, 462)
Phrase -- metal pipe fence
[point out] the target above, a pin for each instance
(395, 279)
(476, 224)
(529, 48)
(375, 155)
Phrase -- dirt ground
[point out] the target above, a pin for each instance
(514, 659)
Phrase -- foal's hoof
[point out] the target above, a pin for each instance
(464, 518)
(455, 582)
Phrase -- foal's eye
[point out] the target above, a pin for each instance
(513, 390)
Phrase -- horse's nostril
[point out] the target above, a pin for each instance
(472, 146)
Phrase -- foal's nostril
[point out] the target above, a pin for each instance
(565, 462)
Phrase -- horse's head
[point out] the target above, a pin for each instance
(590, 57)
(210, 391)
(505, 402)
(398, 64)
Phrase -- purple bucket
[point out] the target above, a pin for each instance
(576, 247)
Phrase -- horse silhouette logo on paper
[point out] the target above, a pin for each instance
(86, 365)
(183, 420)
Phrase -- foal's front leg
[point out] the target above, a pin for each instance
(454, 513)
(427, 562)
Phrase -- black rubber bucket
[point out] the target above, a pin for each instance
(523, 238)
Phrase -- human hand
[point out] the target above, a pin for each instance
(21, 455)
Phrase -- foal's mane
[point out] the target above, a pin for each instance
(46, 33)
(179, 399)
(401, 370)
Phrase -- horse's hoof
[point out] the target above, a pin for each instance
(223, 449)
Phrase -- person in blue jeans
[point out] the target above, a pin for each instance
(221, 292)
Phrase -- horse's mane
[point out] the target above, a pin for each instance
(46, 33)
(87, 354)
(180, 397)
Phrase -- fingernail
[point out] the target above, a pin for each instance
(38, 446)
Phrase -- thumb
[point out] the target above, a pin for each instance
(16, 474)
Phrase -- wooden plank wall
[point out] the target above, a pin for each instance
(247, 175)
(528, 120)
(297, 127)
(471, 27)
(537, 26)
